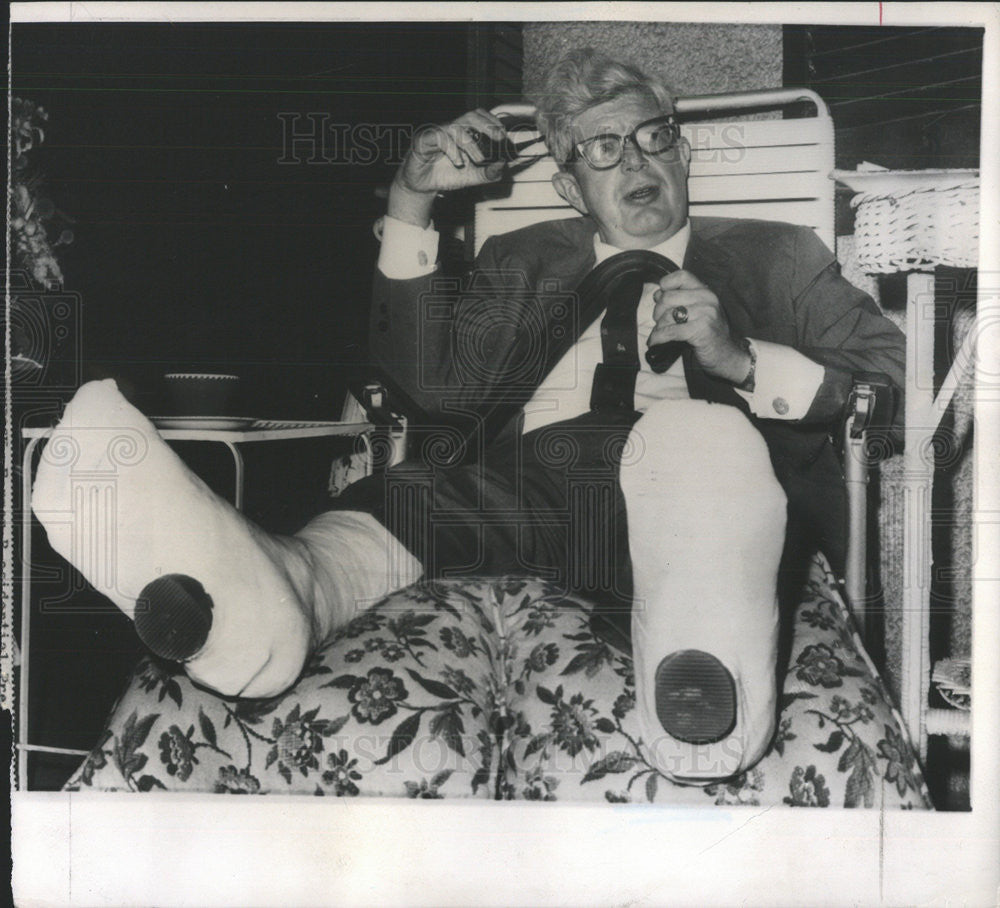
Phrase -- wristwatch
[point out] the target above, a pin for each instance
(750, 382)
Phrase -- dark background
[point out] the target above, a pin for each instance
(903, 98)
(194, 248)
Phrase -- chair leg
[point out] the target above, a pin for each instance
(856, 567)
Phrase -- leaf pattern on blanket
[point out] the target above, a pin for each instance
(498, 689)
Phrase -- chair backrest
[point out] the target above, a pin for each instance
(776, 170)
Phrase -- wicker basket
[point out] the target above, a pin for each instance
(908, 221)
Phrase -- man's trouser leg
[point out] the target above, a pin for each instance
(546, 506)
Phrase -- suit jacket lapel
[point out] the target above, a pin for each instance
(565, 331)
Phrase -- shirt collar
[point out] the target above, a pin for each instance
(674, 248)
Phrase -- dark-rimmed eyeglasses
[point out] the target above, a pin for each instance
(652, 137)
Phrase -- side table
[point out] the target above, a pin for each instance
(911, 222)
(248, 433)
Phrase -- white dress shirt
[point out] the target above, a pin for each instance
(786, 381)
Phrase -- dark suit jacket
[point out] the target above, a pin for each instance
(470, 354)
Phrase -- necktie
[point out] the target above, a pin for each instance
(616, 286)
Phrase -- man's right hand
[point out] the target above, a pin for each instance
(443, 158)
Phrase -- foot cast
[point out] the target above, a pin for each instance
(705, 567)
(242, 608)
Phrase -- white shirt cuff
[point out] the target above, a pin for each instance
(785, 383)
(408, 251)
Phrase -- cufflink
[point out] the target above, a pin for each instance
(421, 258)
(780, 406)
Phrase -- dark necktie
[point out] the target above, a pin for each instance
(616, 285)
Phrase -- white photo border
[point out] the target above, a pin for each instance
(107, 849)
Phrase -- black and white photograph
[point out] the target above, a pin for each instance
(482, 406)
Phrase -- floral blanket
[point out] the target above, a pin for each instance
(498, 690)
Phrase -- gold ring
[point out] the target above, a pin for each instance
(680, 314)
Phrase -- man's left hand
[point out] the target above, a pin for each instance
(706, 328)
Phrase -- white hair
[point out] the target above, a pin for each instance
(584, 78)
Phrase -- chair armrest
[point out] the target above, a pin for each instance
(373, 398)
(871, 406)
(866, 439)
(370, 401)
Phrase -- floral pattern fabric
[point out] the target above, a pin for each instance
(402, 703)
(498, 690)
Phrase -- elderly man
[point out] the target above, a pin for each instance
(770, 331)
(665, 503)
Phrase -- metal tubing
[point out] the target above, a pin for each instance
(760, 98)
(855, 573)
(737, 100)
(45, 749)
(24, 669)
(238, 467)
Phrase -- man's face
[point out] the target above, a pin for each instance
(642, 200)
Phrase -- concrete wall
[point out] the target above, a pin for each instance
(692, 58)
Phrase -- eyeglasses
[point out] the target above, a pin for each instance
(652, 137)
